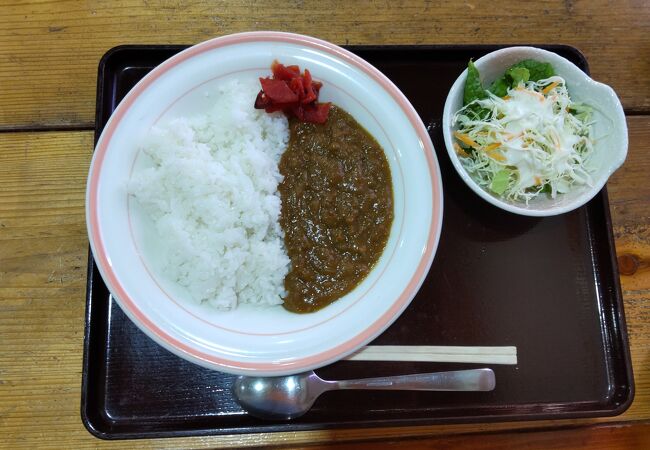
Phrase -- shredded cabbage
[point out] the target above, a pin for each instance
(533, 140)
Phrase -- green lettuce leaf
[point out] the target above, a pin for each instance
(536, 70)
(526, 70)
(473, 87)
(500, 181)
(518, 75)
(500, 86)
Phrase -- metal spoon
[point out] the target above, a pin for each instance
(292, 396)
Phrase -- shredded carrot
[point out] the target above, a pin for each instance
(492, 146)
(506, 97)
(535, 93)
(496, 156)
(465, 139)
(548, 88)
(511, 136)
(538, 181)
(460, 151)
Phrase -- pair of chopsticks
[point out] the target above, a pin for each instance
(434, 353)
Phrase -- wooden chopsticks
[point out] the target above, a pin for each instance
(433, 353)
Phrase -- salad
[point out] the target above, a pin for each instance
(523, 136)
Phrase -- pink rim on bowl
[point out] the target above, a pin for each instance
(294, 365)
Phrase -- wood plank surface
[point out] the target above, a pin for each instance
(49, 50)
(43, 250)
(599, 437)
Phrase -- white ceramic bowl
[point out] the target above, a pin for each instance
(610, 127)
(249, 340)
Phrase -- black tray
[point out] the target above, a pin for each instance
(548, 286)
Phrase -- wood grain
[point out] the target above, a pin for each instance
(43, 250)
(601, 437)
(49, 50)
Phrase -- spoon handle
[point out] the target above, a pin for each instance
(459, 380)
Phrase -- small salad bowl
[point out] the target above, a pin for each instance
(609, 129)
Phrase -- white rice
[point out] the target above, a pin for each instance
(212, 195)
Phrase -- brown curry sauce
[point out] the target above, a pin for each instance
(337, 209)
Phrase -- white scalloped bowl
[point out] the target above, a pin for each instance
(271, 340)
(610, 128)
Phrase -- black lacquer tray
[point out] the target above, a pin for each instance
(548, 286)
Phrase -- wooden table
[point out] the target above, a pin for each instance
(49, 52)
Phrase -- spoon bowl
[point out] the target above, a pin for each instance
(279, 397)
(292, 396)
